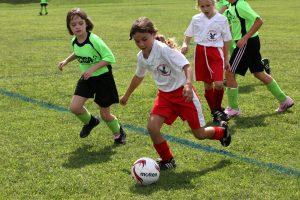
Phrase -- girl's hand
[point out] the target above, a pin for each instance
(242, 42)
(227, 65)
(188, 92)
(62, 64)
(86, 75)
(123, 100)
(184, 49)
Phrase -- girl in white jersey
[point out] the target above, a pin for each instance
(97, 80)
(212, 35)
(172, 74)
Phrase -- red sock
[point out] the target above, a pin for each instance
(218, 97)
(163, 150)
(209, 96)
(219, 133)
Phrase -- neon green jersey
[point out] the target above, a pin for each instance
(43, 1)
(221, 3)
(92, 51)
(241, 18)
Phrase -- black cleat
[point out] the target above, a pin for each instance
(41, 13)
(219, 115)
(165, 165)
(266, 65)
(87, 128)
(120, 138)
(226, 140)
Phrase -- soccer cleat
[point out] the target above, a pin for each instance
(120, 138)
(41, 13)
(87, 128)
(232, 112)
(226, 139)
(288, 102)
(219, 115)
(266, 65)
(168, 164)
(46, 13)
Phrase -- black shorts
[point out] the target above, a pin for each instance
(44, 4)
(247, 57)
(102, 88)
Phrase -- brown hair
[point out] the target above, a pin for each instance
(170, 41)
(82, 15)
(142, 25)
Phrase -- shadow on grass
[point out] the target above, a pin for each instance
(83, 156)
(19, 1)
(249, 122)
(171, 180)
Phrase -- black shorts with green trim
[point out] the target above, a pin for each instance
(247, 57)
(102, 88)
(44, 4)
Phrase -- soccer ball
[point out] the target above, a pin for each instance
(145, 171)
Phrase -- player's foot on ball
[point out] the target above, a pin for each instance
(120, 138)
(87, 128)
(166, 164)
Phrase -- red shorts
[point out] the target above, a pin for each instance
(170, 105)
(209, 64)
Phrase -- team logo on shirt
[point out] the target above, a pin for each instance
(163, 70)
(211, 35)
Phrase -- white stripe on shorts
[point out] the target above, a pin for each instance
(238, 58)
(198, 106)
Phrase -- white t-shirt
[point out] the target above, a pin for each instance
(165, 65)
(209, 32)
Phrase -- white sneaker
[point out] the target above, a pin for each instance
(232, 112)
(288, 102)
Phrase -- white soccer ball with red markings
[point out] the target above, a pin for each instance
(145, 171)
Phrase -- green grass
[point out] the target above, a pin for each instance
(42, 156)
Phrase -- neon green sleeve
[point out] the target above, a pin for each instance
(103, 49)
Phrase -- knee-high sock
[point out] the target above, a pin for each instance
(163, 150)
(218, 97)
(274, 88)
(219, 133)
(85, 117)
(232, 95)
(209, 96)
(113, 125)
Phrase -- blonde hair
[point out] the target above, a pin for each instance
(197, 3)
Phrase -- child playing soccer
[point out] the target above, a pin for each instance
(97, 80)
(44, 7)
(172, 74)
(212, 34)
(245, 23)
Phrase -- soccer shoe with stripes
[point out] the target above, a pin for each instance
(87, 128)
(167, 164)
(219, 115)
(226, 139)
(120, 138)
(288, 102)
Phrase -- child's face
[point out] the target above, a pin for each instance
(78, 26)
(207, 7)
(144, 41)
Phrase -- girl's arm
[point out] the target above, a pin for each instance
(185, 44)
(257, 24)
(89, 72)
(135, 82)
(226, 54)
(188, 87)
(63, 63)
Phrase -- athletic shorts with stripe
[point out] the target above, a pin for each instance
(247, 57)
(102, 88)
(209, 64)
(170, 105)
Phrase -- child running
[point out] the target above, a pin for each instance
(172, 74)
(97, 80)
(212, 35)
(245, 23)
(43, 4)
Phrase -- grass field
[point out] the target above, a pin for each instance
(42, 156)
